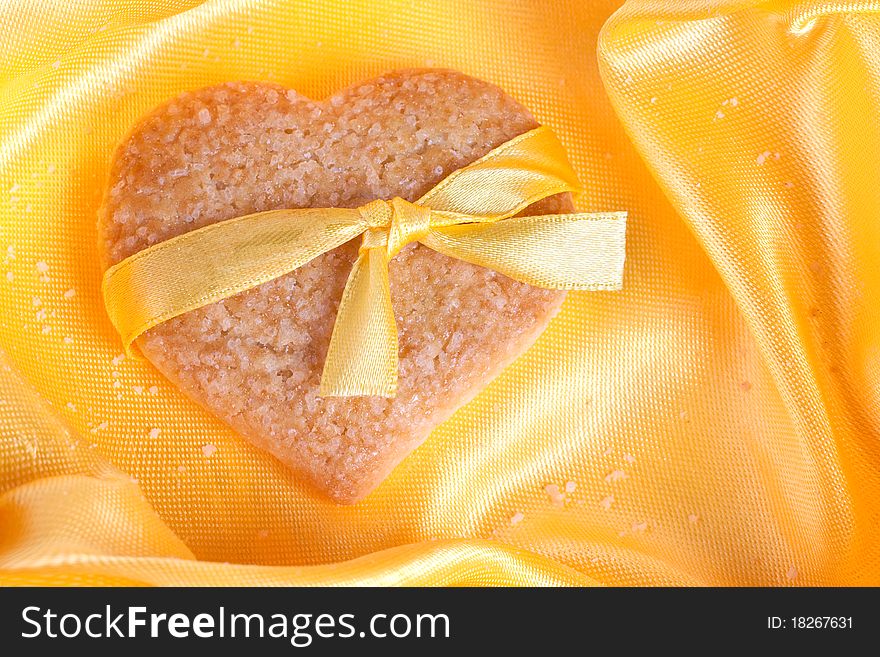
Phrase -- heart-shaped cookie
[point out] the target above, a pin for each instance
(255, 359)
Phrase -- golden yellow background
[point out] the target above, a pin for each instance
(717, 422)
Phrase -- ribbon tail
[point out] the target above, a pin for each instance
(215, 262)
(362, 357)
(580, 251)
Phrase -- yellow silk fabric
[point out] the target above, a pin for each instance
(715, 422)
(578, 251)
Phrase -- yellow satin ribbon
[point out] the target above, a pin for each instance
(460, 217)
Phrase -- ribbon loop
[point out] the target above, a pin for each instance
(470, 215)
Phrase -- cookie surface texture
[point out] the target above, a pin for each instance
(255, 359)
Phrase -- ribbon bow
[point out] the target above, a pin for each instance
(469, 215)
